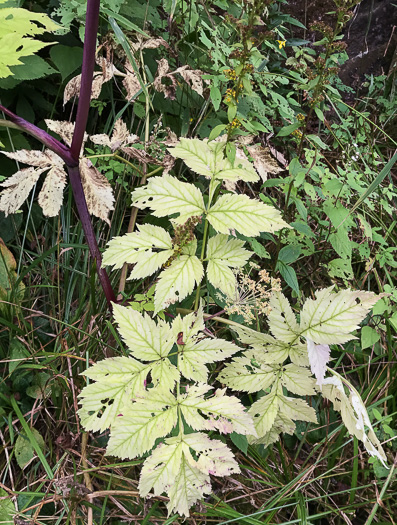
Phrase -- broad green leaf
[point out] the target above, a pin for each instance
(127, 248)
(331, 317)
(136, 429)
(118, 379)
(7, 509)
(145, 339)
(282, 320)
(8, 276)
(247, 374)
(369, 337)
(66, 59)
(164, 374)
(354, 414)
(24, 450)
(178, 281)
(17, 26)
(167, 195)
(223, 413)
(248, 216)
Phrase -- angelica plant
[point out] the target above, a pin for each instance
(159, 401)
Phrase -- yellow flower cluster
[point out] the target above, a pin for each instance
(297, 134)
(230, 74)
(235, 123)
(300, 117)
(230, 95)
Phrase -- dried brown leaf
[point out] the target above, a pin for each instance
(97, 189)
(17, 189)
(120, 137)
(263, 161)
(151, 43)
(131, 84)
(193, 78)
(140, 155)
(72, 88)
(51, 194)
(161, 75)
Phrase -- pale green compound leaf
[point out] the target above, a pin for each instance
(137, 427)
(189, 486)
(282, 320)
(223, 413)
(270, 350)
(149, 262)
(209, 159)
(354, 414)
(190, 325)
(178, 281)
(331, 317)
(248, 216)
(215, 457)
(145, 339)
(167, 195)
(223, 254)
(196, 352)
(298, 380)
(275, 413)
(172, 469)
(132, 247)
(164, 374)
(264, 412)
(118, 380)
(247, 374)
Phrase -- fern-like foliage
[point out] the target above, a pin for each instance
(140, 414)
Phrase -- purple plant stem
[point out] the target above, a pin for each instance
(87, 73)
(71, 155)
(91, 28)
(52, 143)
(81, 204)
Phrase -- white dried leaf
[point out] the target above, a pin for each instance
(51, 194)
(120, 137)
(131, 82)
(318, 359)
(97, 189)
(17, 189)
(35, 158)
(65, 130)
